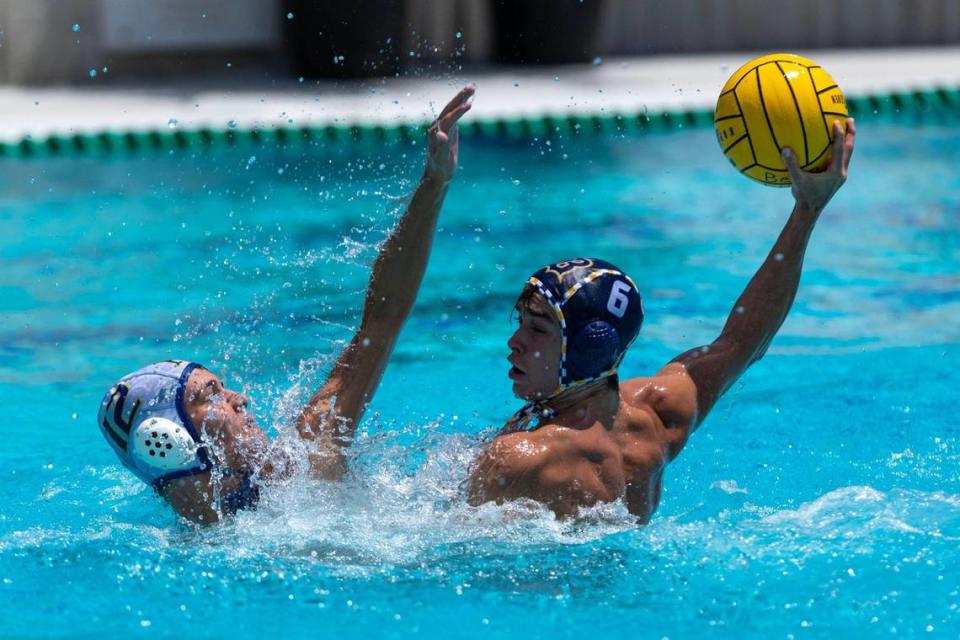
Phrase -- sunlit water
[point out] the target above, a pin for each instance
(821, 497)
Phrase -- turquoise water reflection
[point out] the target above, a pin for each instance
(823, 493)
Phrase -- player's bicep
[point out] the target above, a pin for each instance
(500, 472)
(710, 371)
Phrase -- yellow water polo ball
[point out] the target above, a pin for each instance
(776, 101)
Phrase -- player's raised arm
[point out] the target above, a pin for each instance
(697, 378)
(332, 414)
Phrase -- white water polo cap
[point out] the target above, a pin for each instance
(144, 419)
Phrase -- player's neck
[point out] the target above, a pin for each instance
(586, 405)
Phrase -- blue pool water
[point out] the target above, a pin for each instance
(821, 497)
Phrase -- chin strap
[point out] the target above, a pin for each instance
(545, 409)
(522, 419)
(246, 496)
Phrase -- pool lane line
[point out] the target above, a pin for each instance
(938, 101)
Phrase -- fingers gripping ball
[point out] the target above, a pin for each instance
(776, 101)
(163, 444)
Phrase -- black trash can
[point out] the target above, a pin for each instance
(350, 39)
(546, 31)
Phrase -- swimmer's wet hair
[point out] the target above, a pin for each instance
(533, 301)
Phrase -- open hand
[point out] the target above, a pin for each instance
(443, 137)
(814, 190)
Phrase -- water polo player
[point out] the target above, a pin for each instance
(175, 426)
(583, 437)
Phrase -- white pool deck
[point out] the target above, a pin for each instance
(656, 83)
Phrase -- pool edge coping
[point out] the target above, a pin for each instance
(938, 98)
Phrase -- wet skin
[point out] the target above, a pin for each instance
(328, 421)
(221, 418)
(534, 354)
(233, 440)
(604, 442)
(611, 441)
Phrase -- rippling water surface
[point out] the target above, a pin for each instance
(821, 497)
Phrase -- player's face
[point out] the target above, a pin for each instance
(535, 354)
(220, 415)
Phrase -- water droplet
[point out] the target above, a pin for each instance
(300, 79)
(76, 27)
(459, 34)
(290, 16)
(232, 124)
(778, 257)
(172, 123)
(516, 182)
(93, 73)
(597, 61)
(536, 354)
(74, 415)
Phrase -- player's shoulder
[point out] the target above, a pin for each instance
(529, 444)
(527, 450)
(671, 394)
(670, 399)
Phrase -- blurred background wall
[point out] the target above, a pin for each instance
(66, 41)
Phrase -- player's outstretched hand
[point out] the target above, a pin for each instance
(814, 190)
(443, 137)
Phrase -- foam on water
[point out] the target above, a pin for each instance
(823, 493)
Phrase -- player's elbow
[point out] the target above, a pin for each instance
(739, 349)
(383, 315)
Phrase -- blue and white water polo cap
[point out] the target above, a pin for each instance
(600, 312)
(144, 419)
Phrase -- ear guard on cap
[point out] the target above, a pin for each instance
(164, 445)
(593, 349)
(145, 421)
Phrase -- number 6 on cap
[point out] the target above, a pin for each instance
(617, 303)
